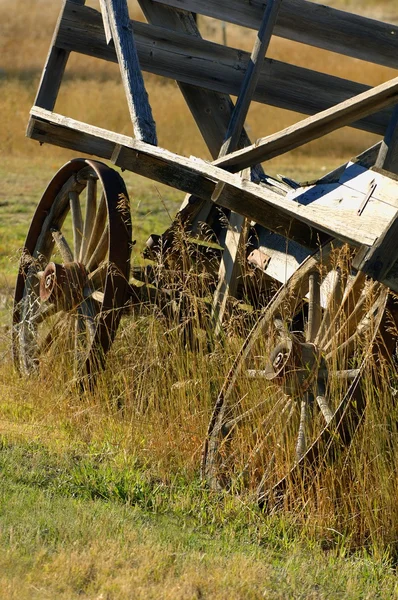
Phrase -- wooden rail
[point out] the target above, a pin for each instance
(309, 23)
(304, 223)
(198, 62)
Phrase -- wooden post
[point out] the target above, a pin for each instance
(54, 68)
(118, 28)
(228, 270)
(388, 153)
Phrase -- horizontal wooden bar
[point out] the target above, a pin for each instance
(313, 127)
(198, 62)
(303, 223)
(314, 24)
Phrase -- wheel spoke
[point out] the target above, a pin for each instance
(97, 228)
(87, 315)
(45, 312)
(353, 318)
(62, 245)
(314, 306)
(89, 217)
(96, 279)
(333, 303)
(301, 446)
(323, 403)
(77, 223)
(99, 253)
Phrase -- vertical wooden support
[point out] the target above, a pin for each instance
(117, 27)
(54, 68)
(234, 239)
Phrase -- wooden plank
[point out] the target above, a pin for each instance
(314, 127)
(314, 24)
(303, 223)
(117, 23)
(212, 66)
(251, 77)
(54, 67)
(229, 268)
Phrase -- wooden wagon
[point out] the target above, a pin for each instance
(329, 245)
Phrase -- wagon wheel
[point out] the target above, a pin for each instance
(293, 395)
(74, 269)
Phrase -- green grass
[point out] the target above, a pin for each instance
(80, 524)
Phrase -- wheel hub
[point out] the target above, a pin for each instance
(293, 365)
(63, 285)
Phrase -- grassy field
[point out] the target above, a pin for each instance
(100, 491)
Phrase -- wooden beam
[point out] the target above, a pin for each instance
(54, 67)
(310, 23)
(212, 66)
(229, 268)
(303, 223)
(314, 127)
(117, 26)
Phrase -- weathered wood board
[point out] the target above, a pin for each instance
(304, 222)
(192, 60)
(309, 23)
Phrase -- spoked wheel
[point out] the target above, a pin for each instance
(74, 270)
(293, 395)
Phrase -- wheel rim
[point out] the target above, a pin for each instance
(287, 402)
(74, 269)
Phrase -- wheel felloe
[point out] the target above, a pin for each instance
(74, 271)
(293, 397)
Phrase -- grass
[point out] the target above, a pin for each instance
(100, 492)
(87, 522)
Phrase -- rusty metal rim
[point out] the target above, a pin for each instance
(342, 423)
(119, 242)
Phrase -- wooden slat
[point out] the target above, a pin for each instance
(117, 23)
(212, 66)
(251, 77)
(314, 24)
(54, 67)
(229, 268)
(314, 127)
(296, 221)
